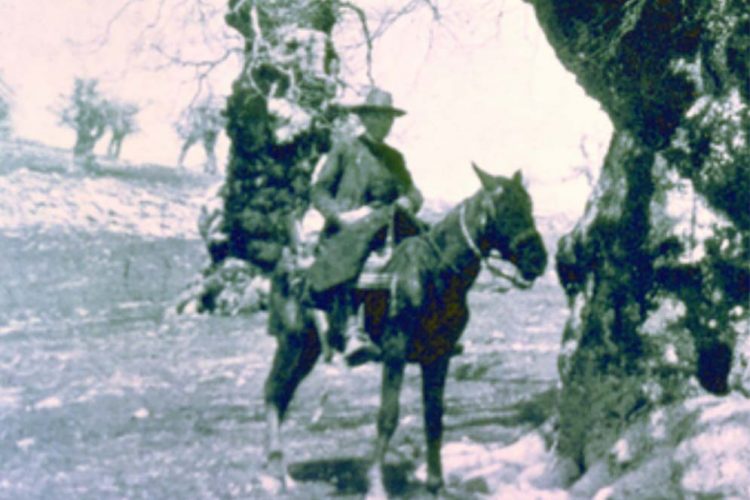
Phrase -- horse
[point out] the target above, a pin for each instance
(419, 318)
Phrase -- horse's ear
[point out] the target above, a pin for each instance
(489, 182)
(517, 178)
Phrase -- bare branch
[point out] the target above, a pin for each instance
(205, 64)
(101, 41)
(434, 8)
(366, 32)
(154, 22)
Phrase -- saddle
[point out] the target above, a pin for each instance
(373, 275)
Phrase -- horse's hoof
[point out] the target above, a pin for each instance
(376, 489)
(274, 460)
(434, 485)
(271, 484)
(275, 479)
(376, 493)
(362, 354)
(458, 349)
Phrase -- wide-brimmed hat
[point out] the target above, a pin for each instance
(378, 100)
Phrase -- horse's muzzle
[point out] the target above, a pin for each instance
(528, 254)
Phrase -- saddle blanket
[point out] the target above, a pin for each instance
(372, 276)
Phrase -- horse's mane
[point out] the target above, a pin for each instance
(420, 259)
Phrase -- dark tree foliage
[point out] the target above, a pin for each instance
(278, 120)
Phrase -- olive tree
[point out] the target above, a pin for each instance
(85, 111)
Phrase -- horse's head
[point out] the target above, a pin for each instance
(510, 225)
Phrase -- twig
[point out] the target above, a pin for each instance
(101, 41)
(434, 8)
(205, 63)
(154, 22)
(368, 38)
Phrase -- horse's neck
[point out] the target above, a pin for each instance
(458, 257)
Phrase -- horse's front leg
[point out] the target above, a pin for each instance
(393, 376)
(294, 358)
(433, 388)
(274, 452)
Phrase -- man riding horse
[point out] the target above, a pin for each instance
(362, 187)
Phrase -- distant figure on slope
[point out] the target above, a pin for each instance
(202, 122)
(120, 118)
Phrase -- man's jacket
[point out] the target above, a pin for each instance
(356, 174)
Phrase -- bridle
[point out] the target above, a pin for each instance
(493, 269)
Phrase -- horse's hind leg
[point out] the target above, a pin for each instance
(393, 376)
(433, 388)
(294, 358)
(394, 363)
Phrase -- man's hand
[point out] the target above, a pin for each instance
(356, 215)
(405, 203)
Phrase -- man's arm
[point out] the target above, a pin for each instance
(410, 198)
(326, 184)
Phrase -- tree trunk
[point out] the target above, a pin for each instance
(657, 270)
(276, 120)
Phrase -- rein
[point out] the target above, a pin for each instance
(439, 253)
(494, 270)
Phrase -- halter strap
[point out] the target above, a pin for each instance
(485, 260)
(439, 253)
(465, 232)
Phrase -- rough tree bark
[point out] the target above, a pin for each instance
(278, 119)
(658, 269)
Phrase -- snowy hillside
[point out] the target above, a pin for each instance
(42, 189)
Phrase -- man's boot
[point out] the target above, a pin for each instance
(359, 346)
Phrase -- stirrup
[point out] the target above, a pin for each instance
(359, 347)
(360, 351)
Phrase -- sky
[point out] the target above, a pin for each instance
(479, 84)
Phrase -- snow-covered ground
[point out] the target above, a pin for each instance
(88, 358)
(42, 188)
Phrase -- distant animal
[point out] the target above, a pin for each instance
(418, 319)
(200, 123)
(120, 119)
